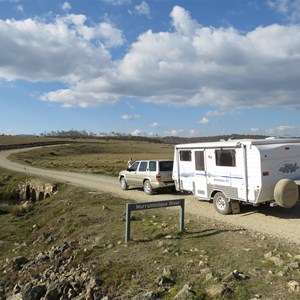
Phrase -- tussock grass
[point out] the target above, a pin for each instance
(95, 222)
(107, 157)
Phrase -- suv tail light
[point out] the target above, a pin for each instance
(158, 177)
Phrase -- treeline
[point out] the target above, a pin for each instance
(75, 134)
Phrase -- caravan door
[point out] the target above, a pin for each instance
(200, 174)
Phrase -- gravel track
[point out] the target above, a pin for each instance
(277, 222)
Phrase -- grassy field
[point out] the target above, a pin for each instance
(203, 257)
(107, 157)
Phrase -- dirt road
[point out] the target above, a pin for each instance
(278, 222)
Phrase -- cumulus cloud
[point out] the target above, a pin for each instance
(64, 50)
(116, 2)
(255, 129)
(194, 132)
(143, 9)
(66, 6)
(283, 130)
(190, 65)
(130, 117)
(136, 132)
(289, 8)
(204, 121)
(174, 132)
(20, 8)
(155, 125)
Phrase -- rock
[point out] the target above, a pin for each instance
(52, 293)
(30, 292)
(162, 280)
(277, 260)
(217, 290)
(185, 293)
(19, 262)
(294, 286)
(49, 240)
(42, 256)
(15, 297)
(256, 297)
(145, 296)
(293, 265)
(255, 272)
(235, 275)
(168, 273)
(16, 289)
(161, 244)
(238, 275)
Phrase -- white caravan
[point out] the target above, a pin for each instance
(234, 171)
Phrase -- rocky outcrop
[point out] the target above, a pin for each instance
(58, 278)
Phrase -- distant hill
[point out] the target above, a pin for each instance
(182, 140)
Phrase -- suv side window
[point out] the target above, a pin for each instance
(134, 166)
(152, 166)
(143, 166)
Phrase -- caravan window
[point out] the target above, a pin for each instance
(186, 155)
(225, 158)
(199, 160)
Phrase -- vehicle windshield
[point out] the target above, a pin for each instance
(165, 166)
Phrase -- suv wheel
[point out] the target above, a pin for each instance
(148, 188)
(123, 183)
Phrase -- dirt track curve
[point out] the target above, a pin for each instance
(277, 222)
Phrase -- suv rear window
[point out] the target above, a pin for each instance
(165, 166)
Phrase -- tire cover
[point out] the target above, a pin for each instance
(286, 193)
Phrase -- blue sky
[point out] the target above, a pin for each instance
(152, 67)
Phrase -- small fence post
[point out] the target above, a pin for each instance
(127, 229)
(181, 222)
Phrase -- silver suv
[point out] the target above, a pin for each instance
(149, 174)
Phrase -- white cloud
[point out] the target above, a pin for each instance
(183, 22)
(20, 8)
(136, 132)
(204, 121)
(191, 65)
(283, 130)
(174, 132)
(254, 129)
(117, 2)
(130, 117)
(143, 9)
(34, 50)
(66, 6)
(155, 125)
(289, 8)
(215, 113)
(194, 132)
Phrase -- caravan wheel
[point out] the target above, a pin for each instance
(222, 204)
